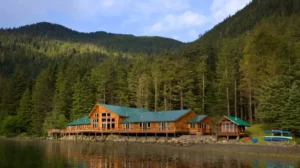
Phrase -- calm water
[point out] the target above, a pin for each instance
(17, 153)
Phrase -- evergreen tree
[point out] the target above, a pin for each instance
(57, 119)
(273, 100)
(290, 119)
(24, 109)
(42, 95)
(83, 99)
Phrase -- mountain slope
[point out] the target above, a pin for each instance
(238, 24)
(110, 41)
(247, 66)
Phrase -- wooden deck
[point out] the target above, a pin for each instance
(116, 131)
(200, 131)
(237, 133)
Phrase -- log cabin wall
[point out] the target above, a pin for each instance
(102, 118)
(182, 122)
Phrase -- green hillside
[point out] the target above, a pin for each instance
(114, 42)
(248, 65)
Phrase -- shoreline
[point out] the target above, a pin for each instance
(279, 149)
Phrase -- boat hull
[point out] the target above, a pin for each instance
(277, 138)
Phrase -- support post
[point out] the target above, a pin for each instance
(89, 136)
(95, 137)
(82, 136)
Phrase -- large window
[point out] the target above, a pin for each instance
(107, 122)
(145, 126)
(201, 125)
(163, 126)
(228, 127)
(192, 125)
(95, 120)
(127, 126)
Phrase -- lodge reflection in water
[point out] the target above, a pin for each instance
(16, 153)
(146, 155)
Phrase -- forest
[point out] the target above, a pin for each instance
(246, 66)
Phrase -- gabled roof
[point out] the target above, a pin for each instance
(196, 119)
(160, 116)
(123, 111)
(237, 121)
(80, 121)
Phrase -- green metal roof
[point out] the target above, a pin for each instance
(196, 119)
(123, 111)
(80, 121)
(160, 116)
(238, 121)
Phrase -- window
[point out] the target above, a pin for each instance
(127, 126)
(95, 123)
(163, 125)
(113, 125)
(103, 114)
(192, 125)
(108, 120)
(108, 114)
(145, 126)
(103, 119)
(228, 127)
(201, 125)
(112, 120)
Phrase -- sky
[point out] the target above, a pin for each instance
(182, 20)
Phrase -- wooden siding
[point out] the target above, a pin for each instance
(237, 130)
(101, 110)
(179, 126)
(208, 122)
(182, 122)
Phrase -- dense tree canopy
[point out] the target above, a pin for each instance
(248, 66)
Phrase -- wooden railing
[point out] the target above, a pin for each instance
(121, 130)
(235, 133)
(200, 131)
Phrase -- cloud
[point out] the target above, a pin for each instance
(172, 22)
(183, 19)
(220, 9)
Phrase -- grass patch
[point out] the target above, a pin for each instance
(256, 131)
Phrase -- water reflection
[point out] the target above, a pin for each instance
(84, 155)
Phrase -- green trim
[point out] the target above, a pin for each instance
(160, 116)
(80, 121)
(123, 111)
(197, 119)
(237, 121)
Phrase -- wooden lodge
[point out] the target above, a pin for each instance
(109, 119)
(230, 126)
(200, 125)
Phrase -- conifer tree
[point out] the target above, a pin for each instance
(24, 109)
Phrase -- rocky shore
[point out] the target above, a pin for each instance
(187, 142)
(184, 140)
(194, 143)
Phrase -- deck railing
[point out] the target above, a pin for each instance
(121, 130)
(200, 131)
